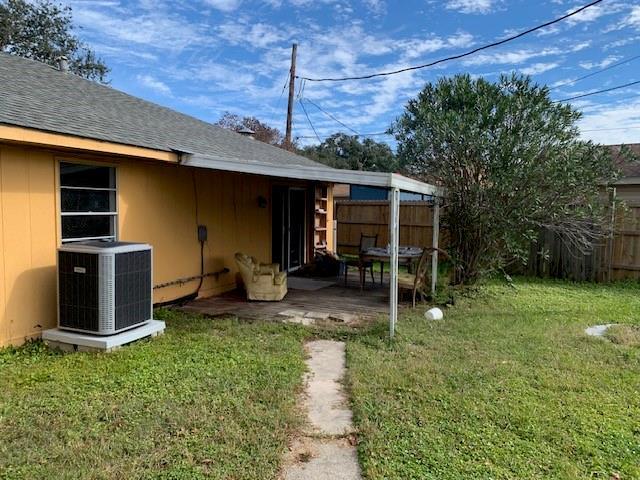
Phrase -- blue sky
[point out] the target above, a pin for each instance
(204, 57)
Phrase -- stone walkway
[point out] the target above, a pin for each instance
(325, 450)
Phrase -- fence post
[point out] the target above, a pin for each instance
(612, 227)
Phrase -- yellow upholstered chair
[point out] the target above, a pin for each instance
(262, 281)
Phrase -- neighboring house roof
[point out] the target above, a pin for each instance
(629, 167)
(35, 95)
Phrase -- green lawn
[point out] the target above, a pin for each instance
(209, 399)
(506, 387)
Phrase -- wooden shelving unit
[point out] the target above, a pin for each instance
(320, 219)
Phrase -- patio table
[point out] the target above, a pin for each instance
(406, 256)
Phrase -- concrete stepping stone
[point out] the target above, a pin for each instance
(347, 318)
(326, 450)
(324, 460)
(326, 402)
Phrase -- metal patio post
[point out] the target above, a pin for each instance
(394, 234)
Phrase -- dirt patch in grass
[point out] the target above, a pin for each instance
(628, 335)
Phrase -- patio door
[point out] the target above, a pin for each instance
(289, 227)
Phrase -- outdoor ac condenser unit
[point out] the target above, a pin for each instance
(104, 287)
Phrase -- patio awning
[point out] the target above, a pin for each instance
(320, 173)
(392, 181)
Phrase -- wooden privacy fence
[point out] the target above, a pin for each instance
(616, 257)
(622, 251)
(371, 217)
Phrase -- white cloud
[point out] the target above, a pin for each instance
(224, 5)
(516, 57)
(594, 12)
(580, 46)
(623, 115)
(157, 30)
(551, 30)
(538, 68)
(376, 6)
(226, 76)
(415, 48)
(622, 42)
(260, 35)
(307, 3)
(154, 84)
(633, 20)
(589, 15)
(602, 64)
(471, 6)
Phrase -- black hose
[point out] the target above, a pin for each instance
(201, 268)
(191, 296)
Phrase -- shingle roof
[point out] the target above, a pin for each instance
(629, 167)
(35, 95)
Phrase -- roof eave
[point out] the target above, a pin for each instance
(320, 173)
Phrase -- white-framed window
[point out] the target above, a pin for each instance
(87, 202)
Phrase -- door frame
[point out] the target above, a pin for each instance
(286, 225)
(303, 229)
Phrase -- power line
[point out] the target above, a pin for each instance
(309, 120)
(550, 88)
(455, 57)
(595, 73)
(330, 116)
(375, 134)
(597, 92)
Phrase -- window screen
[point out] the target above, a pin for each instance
(88, 202)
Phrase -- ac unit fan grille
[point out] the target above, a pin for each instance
(79, 306)
(133, 288)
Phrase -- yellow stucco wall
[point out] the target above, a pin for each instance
(156, 203)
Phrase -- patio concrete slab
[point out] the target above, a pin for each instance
(292, 313)
(317, 315)
(338, 299)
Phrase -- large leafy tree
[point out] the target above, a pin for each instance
(349, 152)
(262, 131)
(43, 30)
(512, 163)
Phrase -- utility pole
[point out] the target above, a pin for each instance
(292, 87)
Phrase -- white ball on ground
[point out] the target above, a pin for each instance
(433, 314)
